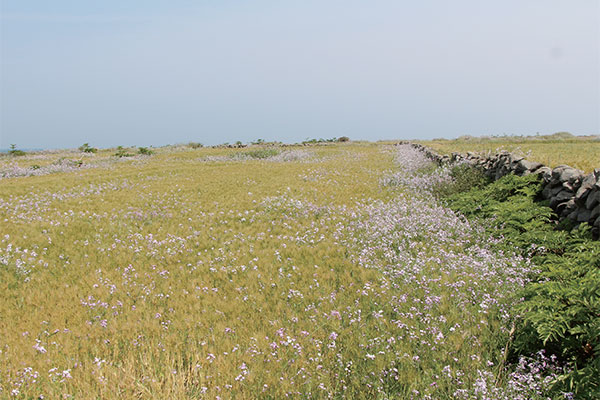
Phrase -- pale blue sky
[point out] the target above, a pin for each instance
(117, 72)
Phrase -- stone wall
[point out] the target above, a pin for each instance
(572, 194)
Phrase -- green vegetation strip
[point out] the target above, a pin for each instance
(560, 312)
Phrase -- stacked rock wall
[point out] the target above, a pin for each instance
(572, 194)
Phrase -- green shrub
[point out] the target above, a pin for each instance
(464, 178)
(560, 312)
(511, 205)
(195, 145)
(15, 152)
(86, 148)
(121, 152)
(145, 151)
(321, 140)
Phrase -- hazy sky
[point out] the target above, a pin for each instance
(151, 72)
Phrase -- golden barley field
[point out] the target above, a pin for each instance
(266, 272)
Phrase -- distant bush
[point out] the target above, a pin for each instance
(86, 148)
(343, 139)
(195, 145)
(121, 152)
(145, 151)
(321, 140)
(559, 135)
(15, 152)
(259, 154)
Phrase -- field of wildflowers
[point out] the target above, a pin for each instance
(310, 272)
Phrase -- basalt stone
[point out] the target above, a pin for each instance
(568, 185)
(544, 172)
(582, 197)
(556, 190)
(515, 159)
(513, 165)
(546, 193)
(593, 199)
(576, 184)
(571, 215)
(583, 215)
(551, 191)
(525, 165)
(566, 208)
(561, 198)
(558, 169)
(562, 173)
(595, 213)
(597, 174)
(570, 175)
(586, 185)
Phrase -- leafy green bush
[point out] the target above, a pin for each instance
(145, 151)
(195, 145)
(86, 148)
(15, 152)
(464, 178)
(560, 312)
(121, 152)
(511, 205)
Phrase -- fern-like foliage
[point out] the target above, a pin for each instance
(561, 306)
